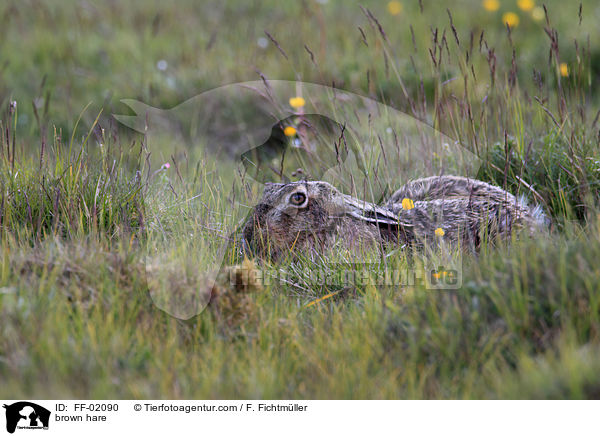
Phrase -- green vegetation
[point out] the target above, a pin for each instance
(88, 218)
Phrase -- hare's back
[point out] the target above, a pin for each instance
(449, 188)
(465, 220)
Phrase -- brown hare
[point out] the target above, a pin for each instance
(305, 215)
(463, 209)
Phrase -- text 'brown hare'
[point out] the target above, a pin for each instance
(313, 215)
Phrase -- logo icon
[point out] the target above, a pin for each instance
(26, 415)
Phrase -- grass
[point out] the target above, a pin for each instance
(87, 231)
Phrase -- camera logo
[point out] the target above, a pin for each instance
(26, 415)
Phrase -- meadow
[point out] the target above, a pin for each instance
(94, 215)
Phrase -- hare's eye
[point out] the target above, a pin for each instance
(297, 198)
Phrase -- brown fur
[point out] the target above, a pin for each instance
(468, 211)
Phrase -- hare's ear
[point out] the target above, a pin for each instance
(385, 219)
(371, 213)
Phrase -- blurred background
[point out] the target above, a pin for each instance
(61, 56)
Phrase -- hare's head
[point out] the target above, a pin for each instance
(314, 215)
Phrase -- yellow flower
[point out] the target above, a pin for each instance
(525, 5)
(538, 13)
(407, 204)
(297, 102)
(289, 131)
(491, 5)
(511, 19)
(394, 7)
(564, 69)
(439, 232)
